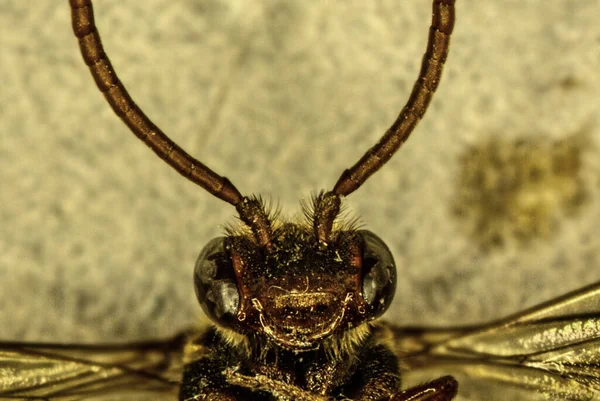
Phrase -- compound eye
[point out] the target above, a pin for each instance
(379, 274)
(215, 283)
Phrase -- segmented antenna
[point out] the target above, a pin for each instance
(84, 27)
(123, 105)
(429, 77)
(250, 211)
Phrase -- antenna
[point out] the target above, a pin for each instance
(251, 211)
(438, 44)
(429, 77)
(112, 88)
(90, 44)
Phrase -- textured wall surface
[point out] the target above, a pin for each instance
(98, 237)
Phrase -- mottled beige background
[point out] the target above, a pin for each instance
(98, 238)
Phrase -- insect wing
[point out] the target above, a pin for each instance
(74, 372)
(549, 352)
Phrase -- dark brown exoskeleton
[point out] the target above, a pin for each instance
(292, 303)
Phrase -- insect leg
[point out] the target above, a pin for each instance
(442, 389)
(377, 377)
(204, 379)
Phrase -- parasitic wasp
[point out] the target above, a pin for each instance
(296, 305)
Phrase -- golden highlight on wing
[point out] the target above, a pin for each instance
(77, 372)
(549, 352)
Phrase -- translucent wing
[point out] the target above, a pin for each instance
(150, 370)
(549, 352)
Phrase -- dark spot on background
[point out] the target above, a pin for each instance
(519, 190)
(36, 250)
(159, 306)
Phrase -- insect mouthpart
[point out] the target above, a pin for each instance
(300, 320)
